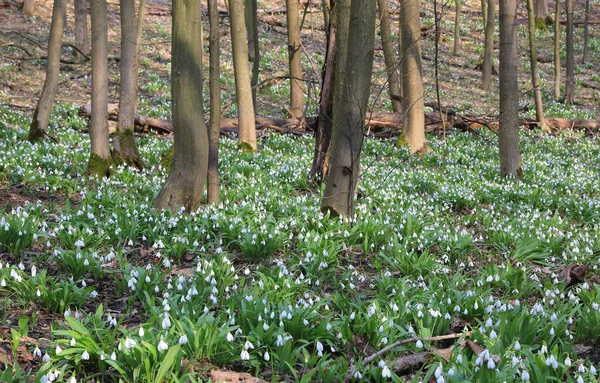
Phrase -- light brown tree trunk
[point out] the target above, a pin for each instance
(294, 57)
(215, 103)
(29, 8)
(535, 76)
(411, 69)
(100, 159)
(247, 133)
(457, 42)
(488, 55)
(187, 177)
(124, 141)
(557, 64)
(391, 65)
(586, 31)
(251, 13)
(338, 197)
(82, 39)
(41, 115)
(484, 12)
(508, 135)
(542, 15)
(570, 83)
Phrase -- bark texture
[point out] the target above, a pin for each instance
(508, 134)
(488, 54)
(412, 76)
(586, 31)
(338, 198)
(187, 177)
(570, 83)
(294, 58)
(391, 65)
(457, 42)
(251, 13)
(29, 7)
(41, 115)
(557, 51)
(247, 135)
(542, 14)
(215, 103)
(82, 39)
(535, 76)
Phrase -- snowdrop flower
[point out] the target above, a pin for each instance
(37, 352)
(419, 344)
(244, 355)
(113, 356)
(141, 332)
(493, 335)
(72, 380)
(320, 348)
(551, 361)
(229, 337)
(490, 364)
(166, 322)
(265, 326)
(579, 379)
(568, 362)
(280, 342)
(525, 376)
(592, 370)
(46, 358)
(79, 243)
(267, 356)
(438, 371)
(130, 343)
(184, 339)
(517, 346)
(162, 346)
(58, 350)
(248, 345)
(85, 355)
(357, 375)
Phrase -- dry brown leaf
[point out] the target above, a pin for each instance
(219, 376)
(476, 348)
(185, 271)
(445, 353)
(573, 273)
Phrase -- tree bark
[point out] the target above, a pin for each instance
(82, 40)
(126, 148)
(412, 77)
(542, 15)
(457, 42)
(586, 31)
(29, 8)
(535, 76)
(247, 135)
(294, 57)
(484, 12)
(508, 134)
(338, 198)
(488, 55)
(391, 65)
(215, 103)
(41, 115)
(185, 183)
(557, 51)
(570, 83)
(251, 14)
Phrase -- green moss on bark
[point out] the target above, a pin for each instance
(98, 166)
(167, 159)
(246, 147)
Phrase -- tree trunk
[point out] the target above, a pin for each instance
(187, 177)
(100, 159)
(82, 40)
(41, 115)
(324, 126)
(391, 65)
(215, 103)
(488, 55)
(125, 147)
(338, 198)
(251, 14)
(294, 57)
(247, 135)
(29, 7)
(326, 4)
(557, 51)
(457, 42)
(535, 76)
(508, 134)
(412, 77)
(542, 15)
(570, 84)
(586, 31)
(484, 12)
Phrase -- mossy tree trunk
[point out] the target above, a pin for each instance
(570, 83)
(391, 64)
(338, 198)
(294, 58)
(82, 39)
(535, 76)
(41, 115)
(125, 147)
(187, 177)
(239, 47)
(508, 135)
(542, 14)
(457, 42)
(215, 103)
(411, 69)
(557, 51)
(100, 158)
(488, 54)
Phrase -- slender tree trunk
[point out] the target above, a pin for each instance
(557, 64)
(324, 127)
(484, 12)
(251, 13)
(338, 198)
(508, 135)
(100, 159)
(391, 65)
(247, 127)
(294, 57)
(535, 76)
(41, 115)
(413, 123)
(586, 31)
(457, 42)
(542, 15)
(124, 142)
(186, 180)
(570, 85)
(326, 4)
(82, 39)
(29, 7)
(215, 103)
(488, 55)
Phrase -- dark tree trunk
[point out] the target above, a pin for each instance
(215, 103)
(391, 64)
(488, 55)
(557, 51)
(570, 85)
(586, 31)
(251, 13)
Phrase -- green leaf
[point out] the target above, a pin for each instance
(167, 363)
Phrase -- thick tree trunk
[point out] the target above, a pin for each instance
(391, 65)
(247, 135)
(570, 83)
(508, 134)
(412, 77)
(542, 15)
(535, 76)
(586, 31)
(29, 7)
(82, 40)
(215, 103)
(294, 57)
(125, 146)
(324, 126)
(41, 115)
(187, 177)
(251, 13)
(457, 42)
(488, 55)
(338, 198)
(557, 51)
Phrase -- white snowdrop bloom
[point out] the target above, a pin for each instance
(94, 294)
(102, 356)
(581, 369)
(244, 355)
(58, 350)
(517, 346)
(525, 376)
(357, 375)
(352, 316)
(592, 370)
(493, 335)
(385, 372)
(130, 343)
(183, 339)
(113, 356)
(280, 342)
(267, 356)
(441, 380)
(166, 322)
(579, 379)
(229, 337)
(85, 355)
(79, 243)
(141, 333)
(491, 364)
(37, 352)
(162, 346)
(33, 271)
(568, 362)
(551, 361)
(438, 371)
(552, 331)
(459, 358)
(72, 380)
(248, 345)
(328, 327)
(38, 293)
(319, 347)
(451, 371)
(265, 326)
(46, 358)
(419, 344)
